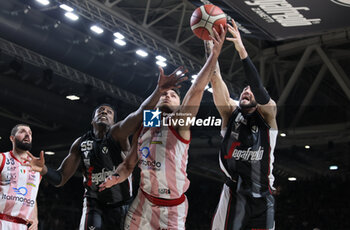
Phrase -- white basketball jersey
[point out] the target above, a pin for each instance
(163, 161)
(18, 187)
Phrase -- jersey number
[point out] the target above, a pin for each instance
(86, 146)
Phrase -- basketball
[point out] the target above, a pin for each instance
(204, 18)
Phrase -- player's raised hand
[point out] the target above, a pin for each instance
(166, 82)
(218, 40)
(35, 163)
(236, 37)
(109, 182)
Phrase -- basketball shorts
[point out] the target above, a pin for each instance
(99, 216)
(243, 212)
(6, 225)
(145, 215)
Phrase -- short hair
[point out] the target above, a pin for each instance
(15, 128)
(177, 91)
(105, 104)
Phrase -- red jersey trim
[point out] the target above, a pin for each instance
(13, 219)
(164, 202)
(3, 162)
(179, 137)
(11, 153)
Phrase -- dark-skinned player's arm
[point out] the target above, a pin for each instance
(266, 106)
(222, 100)
(67, 169)
(123, 129)
(193, 97)
(125, 168)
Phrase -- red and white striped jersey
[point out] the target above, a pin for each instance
(18, 187)
(163, 162)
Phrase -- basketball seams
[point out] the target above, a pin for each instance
(205, 18)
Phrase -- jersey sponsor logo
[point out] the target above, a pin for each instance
(20, 191)
(232, 148)
(11, 168)
(11, 176)
(97, 178)
(234, 135)
(239, 120)
(164, 191)
(32, 176)
(345, 3)
(249, 155)
(105, 150)
(151, 118)
(87, 163)
(153, 165)
(31, 184)
(25, 201)
(156, 142)
(145, 152)
(254, 129)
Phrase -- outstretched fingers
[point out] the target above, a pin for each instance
(234, 24)
(175, 71)
(30, 155)
(161, 71)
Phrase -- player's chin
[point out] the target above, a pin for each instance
(165, 107)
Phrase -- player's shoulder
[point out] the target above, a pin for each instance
(2, 161)
(115, 130)
(3, 155)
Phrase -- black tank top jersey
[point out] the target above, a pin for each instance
(246, 154)
(100, 158)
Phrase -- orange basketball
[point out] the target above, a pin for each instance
(204, 18)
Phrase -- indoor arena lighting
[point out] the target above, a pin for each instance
(292, 178)
(120, 42)
(118, 35)
(66, 8)
(96, 29)
(72, 97)
(43, 2)
(71, 16)
(333, 167)
(141, 53)
(49, 153)
(161, 58)
(160, 63)
(283, 135)
(179, 72)
(194, 77)
(307, 146)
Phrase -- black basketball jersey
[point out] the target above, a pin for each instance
(246, 154)
(100, 158)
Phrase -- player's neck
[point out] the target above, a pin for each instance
(18, 153)
(248, 110)
(100, 132)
